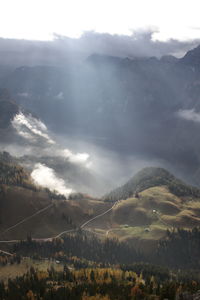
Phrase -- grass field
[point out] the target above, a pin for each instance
(148, 216)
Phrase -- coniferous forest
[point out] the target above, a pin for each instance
(106, 269)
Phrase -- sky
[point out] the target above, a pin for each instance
(42, 19)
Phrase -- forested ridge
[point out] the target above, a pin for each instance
(150, 177)
(13, 174)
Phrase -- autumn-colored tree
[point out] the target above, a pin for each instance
(136, 293)
(96, 297)
(30, 295)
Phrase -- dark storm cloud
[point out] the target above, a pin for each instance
(140, 43)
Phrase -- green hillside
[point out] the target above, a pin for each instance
(151, 213)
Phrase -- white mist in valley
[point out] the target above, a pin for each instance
(35, 131)
(46, 177)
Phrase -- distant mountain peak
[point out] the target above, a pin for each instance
(169, 59)
(102, 58)
(192, 57)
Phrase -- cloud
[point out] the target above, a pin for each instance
(60, 96)
(23, 95)
(140, 44)
(46, 177)
(189, 115)
(78, 158)
(64, 50)
(30, 128)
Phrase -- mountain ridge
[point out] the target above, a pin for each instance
(150, 177)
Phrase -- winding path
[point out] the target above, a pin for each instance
(61, 233)
(98, 216)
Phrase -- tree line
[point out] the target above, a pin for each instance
(99, 283)
(79, 245)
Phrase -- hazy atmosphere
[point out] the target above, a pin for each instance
(113, 94)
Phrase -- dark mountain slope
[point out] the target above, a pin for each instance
(192, 58)
(8, 109)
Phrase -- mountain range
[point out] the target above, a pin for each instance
(146, 107)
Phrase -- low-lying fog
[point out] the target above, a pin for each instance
(71, 163)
